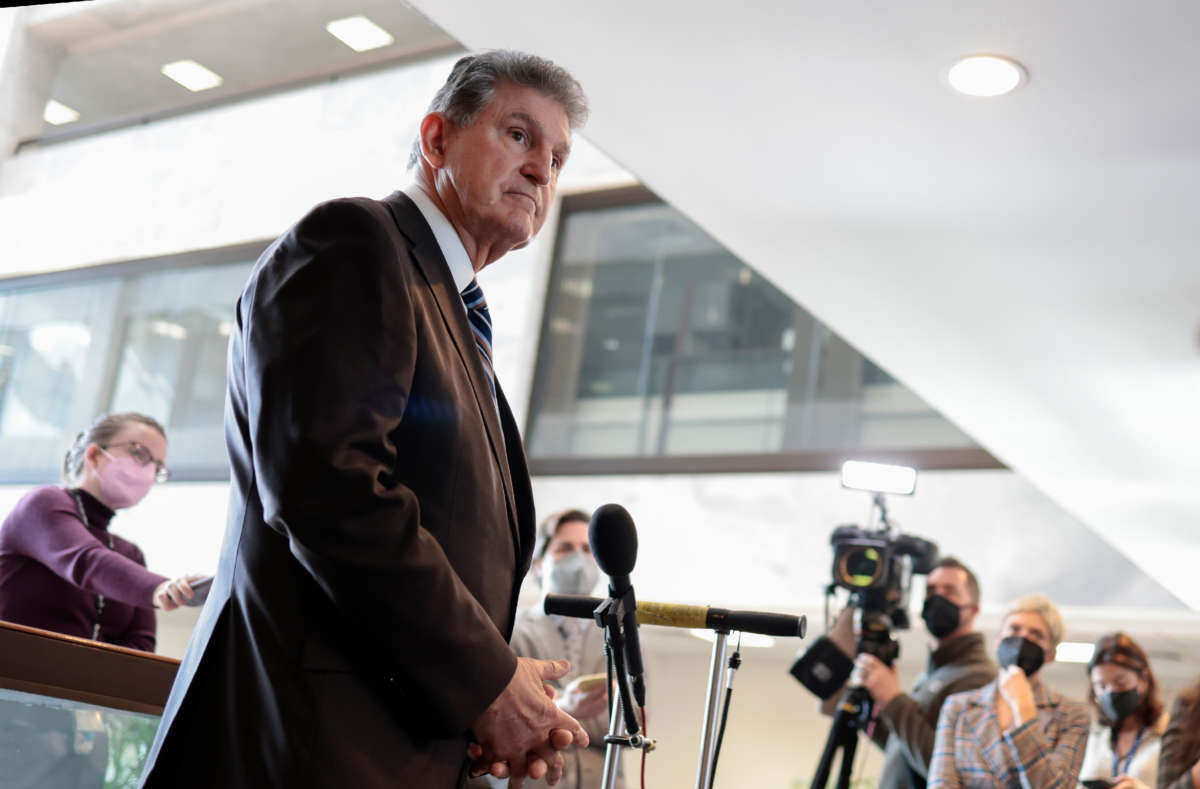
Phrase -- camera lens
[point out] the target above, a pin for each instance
(861, 567)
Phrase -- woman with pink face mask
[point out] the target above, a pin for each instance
(60, 567)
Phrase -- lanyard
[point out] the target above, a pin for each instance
(1129, 759)
(99, 598)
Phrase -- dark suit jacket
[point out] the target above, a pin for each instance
(380, 523)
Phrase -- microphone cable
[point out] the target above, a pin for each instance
(644, 734)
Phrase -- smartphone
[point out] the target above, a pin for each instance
(200, 591)
(589, 682)
(1098, 783)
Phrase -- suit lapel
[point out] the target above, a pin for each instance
(433, 265)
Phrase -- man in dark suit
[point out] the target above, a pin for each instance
(381, 517)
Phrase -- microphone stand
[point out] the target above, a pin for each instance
(712, 712)
(623, 728)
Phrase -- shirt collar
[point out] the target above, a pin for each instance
(451, 245)
(98, 514)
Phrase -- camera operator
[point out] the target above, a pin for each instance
(906, 723)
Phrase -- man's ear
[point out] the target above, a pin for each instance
(435, 127)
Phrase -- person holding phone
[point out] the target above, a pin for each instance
(61, 568)
(1013, 732)
(1123, 745)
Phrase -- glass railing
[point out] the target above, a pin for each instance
(76, 713)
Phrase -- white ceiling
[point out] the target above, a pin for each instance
(112, 50)
(1027, 264)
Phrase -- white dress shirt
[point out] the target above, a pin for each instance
(451, 245)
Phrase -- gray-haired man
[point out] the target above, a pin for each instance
(381, 517)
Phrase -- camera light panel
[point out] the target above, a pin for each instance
(879, 477)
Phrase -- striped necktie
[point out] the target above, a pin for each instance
(481, 326)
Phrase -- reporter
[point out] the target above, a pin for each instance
(1179, 761)
(1013, 732)
(958, 661)
(61, 568)
(1123, 745)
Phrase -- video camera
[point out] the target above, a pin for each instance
(876, 566)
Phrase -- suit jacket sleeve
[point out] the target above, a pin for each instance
(330, 350)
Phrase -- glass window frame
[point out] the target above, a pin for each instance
(124, 273)
(924, 458)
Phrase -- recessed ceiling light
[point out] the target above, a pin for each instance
(192, 75)
(169, 329)
(986, 75)
(359, 33)
(57, 113)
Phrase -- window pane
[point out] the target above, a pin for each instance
(53, 344)
(659, 341)
(172, 357)
(110, 341)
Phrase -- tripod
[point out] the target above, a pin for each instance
(853, 713)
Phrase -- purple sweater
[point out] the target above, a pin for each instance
(52, 568)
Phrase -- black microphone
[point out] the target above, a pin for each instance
(613, 538)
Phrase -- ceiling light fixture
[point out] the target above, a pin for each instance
(986, 75)
(57, 113)
(879, 477)
(169, 329)
(359, 33)
(192, 75)
(1074, 652)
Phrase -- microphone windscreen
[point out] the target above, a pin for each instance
(614, 540)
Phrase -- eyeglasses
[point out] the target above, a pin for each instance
(143, 457)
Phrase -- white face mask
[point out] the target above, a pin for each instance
(575, 573)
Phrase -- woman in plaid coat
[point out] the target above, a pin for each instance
(1013, 732)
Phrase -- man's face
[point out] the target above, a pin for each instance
(502, 170)
(569, 537)
(950, 583)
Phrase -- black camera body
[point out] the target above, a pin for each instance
(873, 560)
(876, 567)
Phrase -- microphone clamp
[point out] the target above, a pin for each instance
(632, 741)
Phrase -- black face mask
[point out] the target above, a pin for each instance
(1021, 652)
(1120, 705)
(941, 616)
